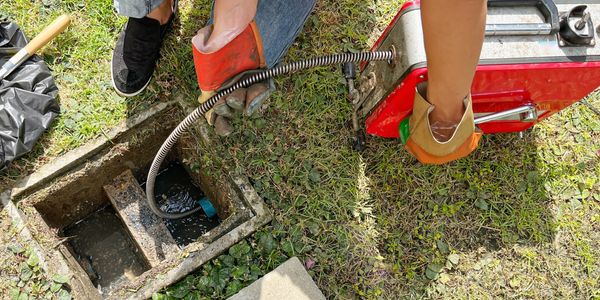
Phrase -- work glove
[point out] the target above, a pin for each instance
(241, 102)
(225, 66)
(441, 142)
(241, 50)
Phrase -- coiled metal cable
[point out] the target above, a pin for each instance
(256, 78)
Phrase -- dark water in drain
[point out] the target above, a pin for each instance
(176, 192)
(104, 249)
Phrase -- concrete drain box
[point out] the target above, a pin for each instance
(87, 209)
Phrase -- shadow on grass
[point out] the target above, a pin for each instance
(489, 201)
(376, 232)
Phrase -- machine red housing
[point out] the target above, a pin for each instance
(528, 68)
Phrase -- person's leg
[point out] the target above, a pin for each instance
(230, 18)
(138, 46)
(140, 8)
(454, 31)
(244, 35)
(163, 12)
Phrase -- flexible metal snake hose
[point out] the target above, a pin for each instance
(256, 78)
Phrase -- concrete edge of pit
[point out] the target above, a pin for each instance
(51, 260)
(197, 254)
(73, 158)
(193, 258)
(18, 220)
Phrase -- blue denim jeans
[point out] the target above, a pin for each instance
(279, 21)
(136, 8)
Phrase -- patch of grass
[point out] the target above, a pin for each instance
(518, 218)
(21, 273)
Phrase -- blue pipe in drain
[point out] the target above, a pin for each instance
(208, 207)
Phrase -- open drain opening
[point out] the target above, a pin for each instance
(104, 249)
(176, 192)
(95, 217)
(111, 243)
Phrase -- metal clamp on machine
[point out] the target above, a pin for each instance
(577, 28)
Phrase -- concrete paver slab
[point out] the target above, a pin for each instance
(289, 281)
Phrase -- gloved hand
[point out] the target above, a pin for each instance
(247, 35)
(222, 51)
(246, 102)
(441, 142)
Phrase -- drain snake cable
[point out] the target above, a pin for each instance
(256, 78)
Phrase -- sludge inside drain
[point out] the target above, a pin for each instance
(176, 192)
(103, 248)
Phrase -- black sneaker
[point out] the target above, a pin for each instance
(136, 53)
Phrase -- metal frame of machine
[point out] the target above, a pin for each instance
(541, 54)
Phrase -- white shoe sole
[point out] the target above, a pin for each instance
(123, 94)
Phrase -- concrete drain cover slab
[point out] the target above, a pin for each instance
(289, 281)
(147, 229)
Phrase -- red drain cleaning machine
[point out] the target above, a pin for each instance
(539, 57)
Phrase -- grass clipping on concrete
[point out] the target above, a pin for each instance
(520, 218)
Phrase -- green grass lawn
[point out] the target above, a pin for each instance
(520, 218)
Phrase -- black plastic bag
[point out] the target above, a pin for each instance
(28, 102)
